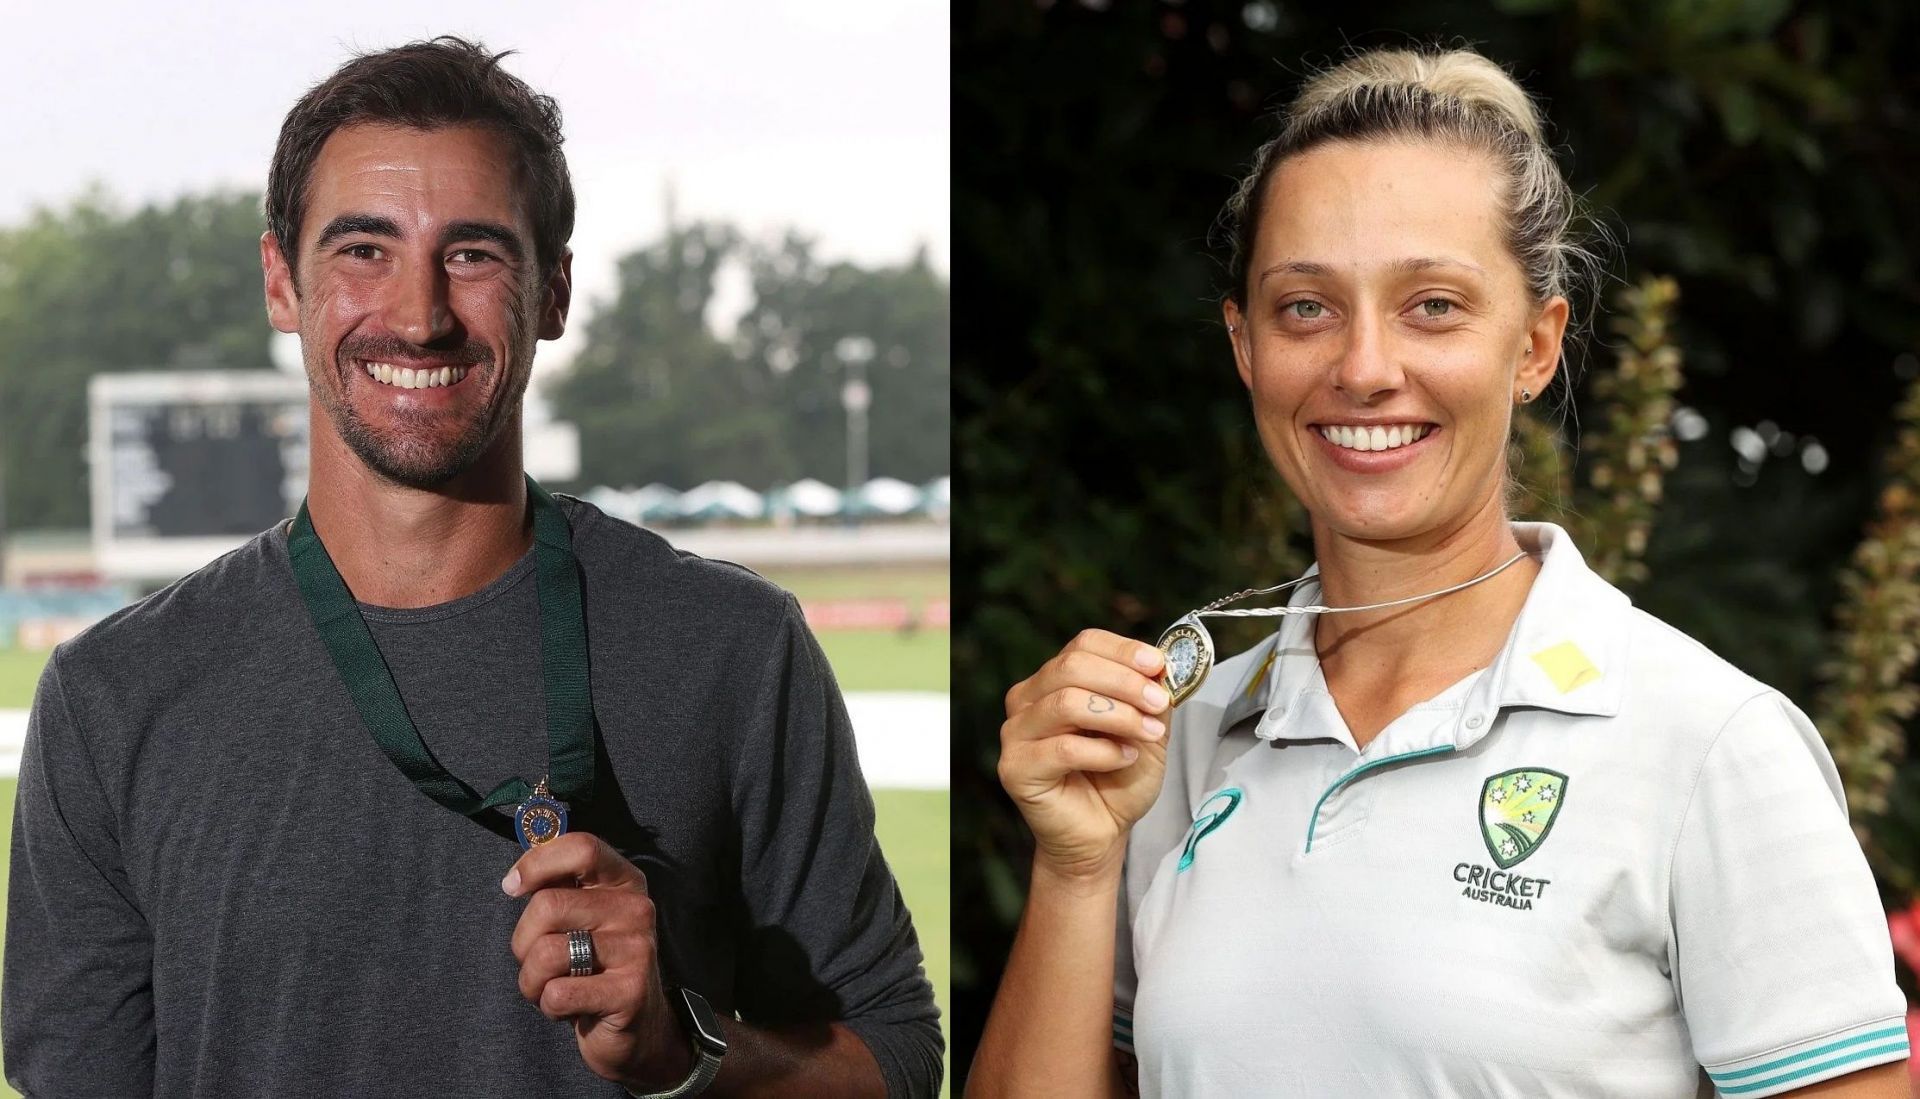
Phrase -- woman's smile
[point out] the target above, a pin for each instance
(1388, 445)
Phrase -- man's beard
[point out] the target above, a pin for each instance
(417, 460)
(411, 460)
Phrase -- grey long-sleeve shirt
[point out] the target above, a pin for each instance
(221, 887)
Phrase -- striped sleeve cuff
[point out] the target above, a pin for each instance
(1122, 1031)
(1796, 1066)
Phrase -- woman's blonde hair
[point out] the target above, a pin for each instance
(1454, 96)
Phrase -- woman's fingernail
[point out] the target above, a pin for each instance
(1129, 753)
(1153, 726)
(511, 883)
(1156, 695)
(1146, 658)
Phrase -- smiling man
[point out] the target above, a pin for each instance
(250, 854)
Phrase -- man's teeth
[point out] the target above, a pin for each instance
(1379, 437)
(408, 378)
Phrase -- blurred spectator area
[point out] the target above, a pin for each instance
(49, 589)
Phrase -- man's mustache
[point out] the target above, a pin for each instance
(471, 355)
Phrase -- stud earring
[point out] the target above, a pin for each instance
(1526, 395)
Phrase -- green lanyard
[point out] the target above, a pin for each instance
(563, 659)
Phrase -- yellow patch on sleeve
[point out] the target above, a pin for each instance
(1260, 676)
(1567, 666)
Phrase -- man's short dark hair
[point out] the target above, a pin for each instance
(428, 86)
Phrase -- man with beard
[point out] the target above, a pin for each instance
(250, 854)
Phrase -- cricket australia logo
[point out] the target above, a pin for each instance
(1517, 809)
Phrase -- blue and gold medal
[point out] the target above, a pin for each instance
(540, 819)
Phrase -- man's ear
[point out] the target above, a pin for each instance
(283, 305)
(559, 296)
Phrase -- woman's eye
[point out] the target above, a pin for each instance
(1436, 307)
(1307, 310)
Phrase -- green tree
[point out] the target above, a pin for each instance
(656, 395)
(659, 397)
(90, 288)
(803, 308)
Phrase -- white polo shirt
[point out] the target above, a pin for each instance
(1606, 861)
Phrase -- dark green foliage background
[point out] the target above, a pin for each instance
(1763, 153)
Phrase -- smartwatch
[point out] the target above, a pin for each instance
(709, 1044)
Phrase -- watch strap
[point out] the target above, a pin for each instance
(705, 1068)
(709, 1045)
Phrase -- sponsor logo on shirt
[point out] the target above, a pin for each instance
(1212, 814)
(1517, 810)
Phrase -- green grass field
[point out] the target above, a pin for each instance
(881, 660)
(912, 824)
(915, 828)
(914, 583)
(19, 671)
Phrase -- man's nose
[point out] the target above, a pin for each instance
(417, 309)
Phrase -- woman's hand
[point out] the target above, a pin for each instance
(1082, 751)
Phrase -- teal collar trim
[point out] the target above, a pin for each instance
(1356, 773)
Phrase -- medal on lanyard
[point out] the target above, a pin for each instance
(540, 819)
(540, 813)
(1188, 646)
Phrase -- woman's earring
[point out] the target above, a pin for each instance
(1526, 395)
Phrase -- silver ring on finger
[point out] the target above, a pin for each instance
(580, 956)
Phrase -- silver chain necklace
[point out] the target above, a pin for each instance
(1189, 647)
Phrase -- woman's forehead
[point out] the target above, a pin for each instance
(1361, 207)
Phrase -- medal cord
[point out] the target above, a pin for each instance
(1210, 610)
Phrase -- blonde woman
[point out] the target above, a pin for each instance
(1485, 829)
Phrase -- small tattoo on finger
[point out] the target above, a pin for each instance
(1099, 704)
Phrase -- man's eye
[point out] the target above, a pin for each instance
(470, 256)
(360, 251)
(1307, 310)
(1444, 307)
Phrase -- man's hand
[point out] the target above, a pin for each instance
(626, 1028)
